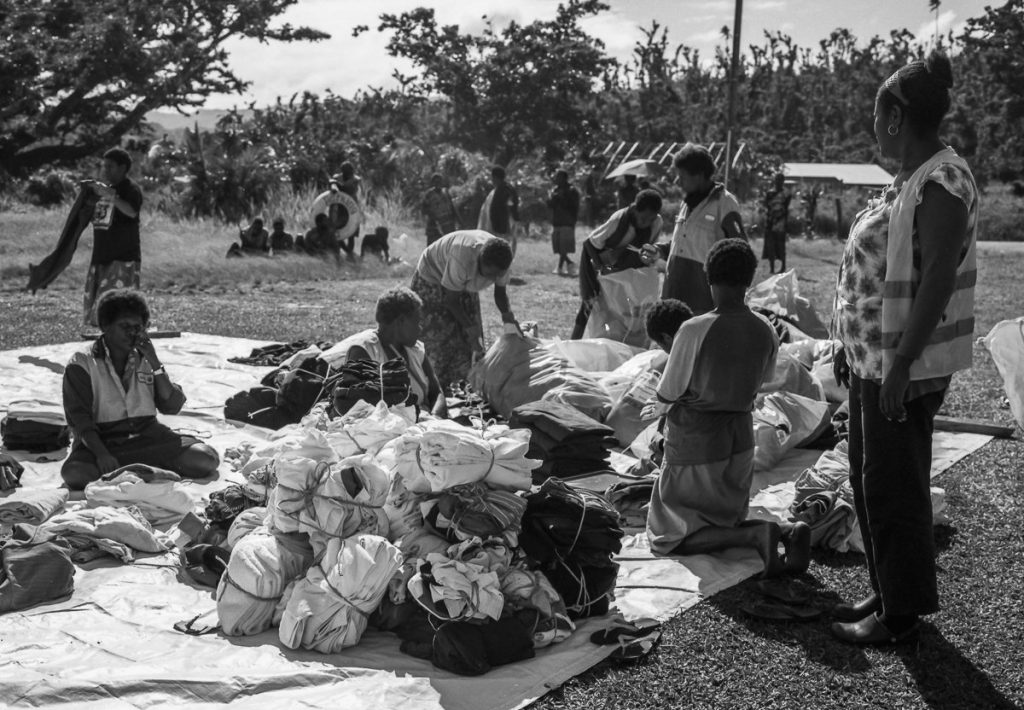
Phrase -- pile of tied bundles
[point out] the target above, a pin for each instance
(373, 518)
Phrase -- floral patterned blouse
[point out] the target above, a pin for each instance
(857, 311)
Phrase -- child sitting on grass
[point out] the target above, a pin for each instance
(716, 366)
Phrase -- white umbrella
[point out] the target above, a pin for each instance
(639, 168)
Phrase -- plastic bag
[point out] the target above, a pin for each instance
(593, 354)
(783, 422)
(518, 370)
(791, 376)
(781, 294)
(1006, 344)
(625, 415)
(619, 311)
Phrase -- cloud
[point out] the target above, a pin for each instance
(946, 22)
(767, 5)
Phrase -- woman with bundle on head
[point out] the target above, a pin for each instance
(904, 313)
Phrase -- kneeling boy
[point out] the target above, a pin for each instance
(716, 366)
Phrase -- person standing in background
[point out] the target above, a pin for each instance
(500, 209)
(564, 202)
(776, 223)
(439, 209)
(627, 192)
(116, 249)
(709, 214)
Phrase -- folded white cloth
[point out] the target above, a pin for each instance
(159, 494)
(328, 501)
(452, 589)
(363, 429)
(437, 455)
(38, 410)
(261, 566)
(327, 610)
(32, 506)
(119, 531)
(246, 521)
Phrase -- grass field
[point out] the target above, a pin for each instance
(971, 655)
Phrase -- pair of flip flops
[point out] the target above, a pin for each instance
(635, 640)
(783, 601)
(205, 563)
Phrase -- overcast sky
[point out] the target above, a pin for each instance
(345, 64)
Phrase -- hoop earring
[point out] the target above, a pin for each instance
(893, 130)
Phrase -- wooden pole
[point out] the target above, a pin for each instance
(734, 66)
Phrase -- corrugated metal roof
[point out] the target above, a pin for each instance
(867, 174)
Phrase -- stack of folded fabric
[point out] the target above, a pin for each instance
(159, 494)
(35, 426)
(262, 564)
(371, 382)
(464, 583)
(228, 503)
(526, 590)
(365, 428)
(329, 501)
(475, 510)
(32, 507)
(328, 609)
(573, 534)
(824, 500)
(569, 442)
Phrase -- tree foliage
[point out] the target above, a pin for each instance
(76, 75)
(510, 89)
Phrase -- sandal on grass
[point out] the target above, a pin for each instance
(635, 648)
(625, 630)
(782, 591)
(777, 611)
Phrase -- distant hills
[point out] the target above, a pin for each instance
(174, 124)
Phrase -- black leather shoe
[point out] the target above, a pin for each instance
(871, 632)
(858, 610)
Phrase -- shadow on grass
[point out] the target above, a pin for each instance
(945, 678)
(814, 636)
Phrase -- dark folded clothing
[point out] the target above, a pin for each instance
(586, 591)
(32, 572)
(227, 503)
(33, 436)
(258, 406)
(469, 648)
(558, 421)
(372, 382)
(276, 353)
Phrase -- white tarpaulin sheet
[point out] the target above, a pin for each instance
(112, 643)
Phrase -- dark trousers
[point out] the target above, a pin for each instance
(890, 472)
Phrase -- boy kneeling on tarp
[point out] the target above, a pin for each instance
(717, 363)
(112, 391)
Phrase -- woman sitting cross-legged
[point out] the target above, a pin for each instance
(397, 335)
(112, 391)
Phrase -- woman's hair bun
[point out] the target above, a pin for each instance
(941, 70)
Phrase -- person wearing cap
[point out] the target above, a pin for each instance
(280, 240)
(439, 209)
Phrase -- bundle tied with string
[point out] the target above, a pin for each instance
(437, 455)
(573, 535)
(366, 428)
(330, 500)
(262, 564)
(372, 382)
(474, 510)
(328, 609)
(464, 583)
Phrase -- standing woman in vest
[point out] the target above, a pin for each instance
(904, 313)
(709, 214)
(112, 391)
